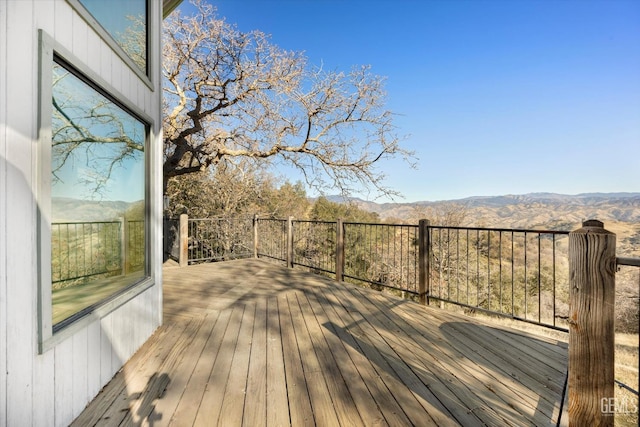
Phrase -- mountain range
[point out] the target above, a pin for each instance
(75, 210)
(525, 210)
(620, 212)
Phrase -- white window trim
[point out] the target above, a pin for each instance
(108, 39)
(46, 338)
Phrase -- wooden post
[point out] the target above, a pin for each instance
(339, 250)
(423, 261)
(255, 236)
(124, 245)
(592, 266)
(290, 242)
(183, 240)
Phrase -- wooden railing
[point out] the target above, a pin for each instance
(517, 273)
(506, 272)
(98, 248)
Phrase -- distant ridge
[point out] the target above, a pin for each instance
(73, 210)
(519, 210)
(556, 197)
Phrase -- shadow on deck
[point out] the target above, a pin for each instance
(250, 343)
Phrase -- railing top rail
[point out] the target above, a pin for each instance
(380, 223)
(235, 219)
(515, 230)
(314, 221)
(507, 230)
(85, 222)
(633, 262)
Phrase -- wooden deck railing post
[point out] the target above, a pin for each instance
(183, 240)
(423, 261)
(124, 245)
(339, 250)
(592, 266)
(290, 242)
(255, 236)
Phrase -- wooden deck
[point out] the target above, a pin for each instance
(250, 343)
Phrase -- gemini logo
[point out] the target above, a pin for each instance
(613, 405)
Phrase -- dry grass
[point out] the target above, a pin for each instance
(626, 372)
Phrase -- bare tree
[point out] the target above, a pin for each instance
(229, 190)
(89, 129)
(446, 214)
(230, 94)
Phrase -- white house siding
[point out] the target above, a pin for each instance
(3, 216)
(52, 388)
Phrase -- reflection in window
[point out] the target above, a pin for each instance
(98, 196)
(126, 21)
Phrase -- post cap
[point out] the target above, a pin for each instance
(593, 223)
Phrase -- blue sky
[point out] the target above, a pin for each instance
(495, 97)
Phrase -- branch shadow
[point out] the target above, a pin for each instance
(155, 389)
(442, 362)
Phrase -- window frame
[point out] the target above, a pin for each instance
(113, 44)
(48, 336)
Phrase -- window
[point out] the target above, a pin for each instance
(98, 196)
(126, 22)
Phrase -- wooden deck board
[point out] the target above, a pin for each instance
(250, 343)
(157, 383)
(460, 389)
(382, 396)
(342, 401)
(440, 371)
(297, 391)
(256, 394)
(323, 409)
(492, 373)
(416, 399)
(115, 400)
(189, 404)
(362, 398)
(182, 374)
(213, 395)
(235, 398)
(277, 402)
(478, 383)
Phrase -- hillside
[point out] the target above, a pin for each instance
(619, 211)
(528, 210)
(74, 210)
